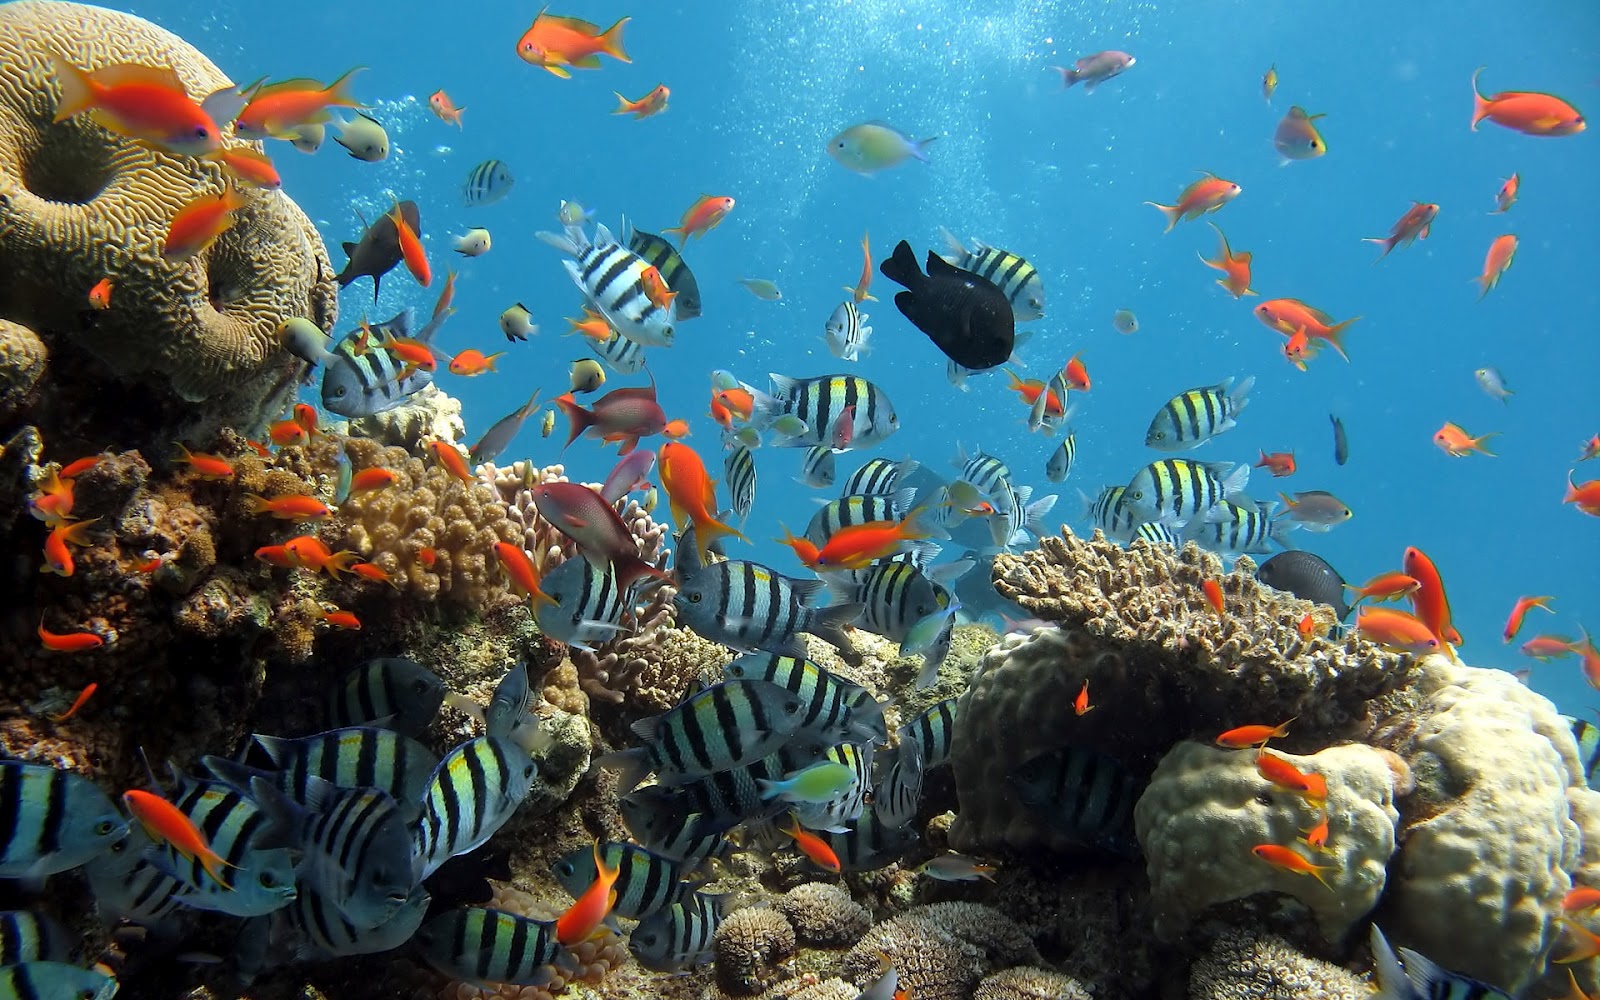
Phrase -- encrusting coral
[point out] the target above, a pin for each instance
(824, 915)
(1247, 965)
(941, 950)
(79, 204)
(1028, 983)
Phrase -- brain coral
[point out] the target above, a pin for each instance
(79, 203)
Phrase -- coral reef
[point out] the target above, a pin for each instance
(1206, 808)
(750, 945)
(1246, 965)
(429, 414)
(1027, 983)
(79, 203)
(824, 915)
(942, 950)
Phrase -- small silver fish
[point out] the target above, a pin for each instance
(847, 332)
(573, 214)
(1492, 382)
(362, 137)
(499, 437)
(762, 289)
(818, 469)
(953, 867)
(473, 243)
(1060, 464)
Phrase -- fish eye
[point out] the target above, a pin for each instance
(202, 132)
(104, 828)
(694, 598)
(268, 880)
(338, 393)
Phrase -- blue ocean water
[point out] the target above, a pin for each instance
(1060, 177)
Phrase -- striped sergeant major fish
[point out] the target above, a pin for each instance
(738, 795)
(664, 257)
(933, 731)
(983, 471)
(261, 877)
(661, 820)
(646, 882)
(739, 467)
(390, 692)
(1176, 490)
(678, 938)
(624, 356)
(42, 980)
(1084, 795)
(352, 758)
(1195, 416)
(818, 468)
(127, 886)
(510, 703)
(52, 820)
(846, 332)
(830, 701)
(586, 604)
(473, 791)
(1015, 520)
(1059, 467)
(1158, 533)
(722, 727)
(894, 595)
(1420, 978)
(612, 277)
(26, 936)
(836, 515)
(817, 405)
(479, 945)
(843, 807)
(1013, 275)
(748, 607)
(878, 476)
(1107, 512)
(325, 933)
(355, 846)
(897, 786)
(870, 844)
(361, 378)
(487, 183)
(1587, 736)
(1245, 527)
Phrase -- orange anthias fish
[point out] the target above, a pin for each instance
(1385, 587)
(1528, 112)
(1586, 942)
(1207, 194)
(655, 287)
(652, 103)
(704, 215)
(374, 573)
(1519, 610)
(411, 250)
(57, 546)
(1547, 647)
(720, 414)
(1308, 625)
(593, 326)
(286, 433)
(1591, 449)
(1280, 462)
(521, 571)
(248, 165)
(676, 430)
(1290, 860)
(68, 642)
(447, 295)
(1080, 704)
(1396, 630)
(52, 502)
(198, 224)
(556, 43)
(1316, 837)
(1307, 784)
(1586, 496)
(445, 108)
(412, 352)
(590, 909)
(859, 293)
(472, 362)
(294, 507)
(1496, 262)
(276, 110)
(1457, 443)
(310, 552)
(1076, 375)
(1507, 195)
(205, 466)
(811, 845)
(339, 618)
(1298, 350)
(1417, 223)
(371, 479)
(803, 547)
(165, 823)
(1589, 653)
(692, 494)
(1234, 266)
(1244, 737)
(1029, 390)
(100, 294)
(77, 703)
(1290, 316)
(73, 470)
(1213, 591)
(450, 457)
(741, 402)
(860, 545)
(144, 103)
(306, 416)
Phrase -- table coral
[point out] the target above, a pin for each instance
(79, 203)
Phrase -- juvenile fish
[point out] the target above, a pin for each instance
(846, 332)
(487, 183)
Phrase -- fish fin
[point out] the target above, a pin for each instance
(632, 764)
(611, 42)
(937, 265)
(901, 268)
(1172, 212)
(920, 149)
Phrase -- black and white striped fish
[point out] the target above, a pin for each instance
(360, 378)
(127, 886)
(625, 357)
(983, 471)
(933, 730)
(738, 794)
(1107, 511)
(261, 878)
(1158, 533)
(1587, 736)
(479, 945)
(870, 843)
(1059, 467)
(740, 469)
(611, 276)
(1243, 527)
(662, 821)
(1176, 490)
(747, 606)
(818, 468)
(586, 605)
(1084, 794)
(679, 937)
(47, 980)
(1013, 275)
(1017, 517)
(473, 791)
(1421, 978)
(26, 936)
(831, 702)
(52, 820)
(326, 933)
(816, 404)
(894, 596)
(353, 758)
(1195, 416)
(897, 788)
(878, 476)
(838, 514)
(391, 692)
(646, 882)
(487, 183)
(847, 332)
(662, 255)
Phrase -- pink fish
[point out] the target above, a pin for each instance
(624, 415)
(583, 515)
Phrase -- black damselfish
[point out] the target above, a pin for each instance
(966, 316)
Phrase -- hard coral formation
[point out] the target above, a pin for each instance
(429, 414)
(79, 203)
(941, 950)
(1248, 965)
(824, 915)
(751, 945)
(1028, 983)
(22, 363)
(514, 484)
(1205, 809)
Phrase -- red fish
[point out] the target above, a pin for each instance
(1307, 784)
(411, 250)
(1252, 736)
(286, 433)
(447, 295)
(277, 109)
(1030, 389)
(1213, 591)
(310, 552)
(655, 287)
(1528, 112)
(249, 166)
(556, 43)
(472, 362)
(1591, 449)
(371, 479)
(1235, 268)
(1316, 837)
(339, 618)
(1397, 630)
(803, 547)
(445, 108)
(165, 823)
(198, 224)
(73, 470)
(1507, 195)
(740, 402)
(1290, 316)
(144, 103)
(857, 546)
(293, 507)
(1308, 625)
(1547, 647)
(1416, 224)
(1280, 462)
(306, 416)
(1586, 496)
(652, 103)
(1298, 350)
(692, 494)
(1457, 443)
(57, 546)
(1496, 262)
(450, 457)
(1080, 704)
(1207, 194)
(584, 917)
(374, 573)
(623, 415)
(53, 500)
(1290, 860)
(521, 571)
(1385, 587)
(812, 846)
(859, 293)
(582, 515)
(77, 703)
(704, 215)
(1076, 375)
(68, 642)
(205, 466)
(1520, 609)
(100, 294)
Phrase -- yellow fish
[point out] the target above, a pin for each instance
(1297, 137)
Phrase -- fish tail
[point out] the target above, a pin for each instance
(901, 267)
(338, 91)
(709, 529)
(632, 569)
(1069, 76)
(1172, 212)
(1480, 105)
(920, 149)
(624, 106)
(1335, 336)
(682, 231)
(611, 41)
(579, 418)
(77, 89)
(1383, 241)
(1477, 444)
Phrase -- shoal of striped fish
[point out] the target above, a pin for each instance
(1175, 489)
(353, 758)
(391, 692)
(819, 467)
(983, 471)
(26, 936)
(894, 596)
(662, 822)
(1244, 527)
(897, 787)
(49, 980)
(261, 878)
(835, 515)
(52, 820)
(846, 332)
(1013, 275)
(739, 468)
(870, 844)
(1086, 795)
(1107, 512)
(815, 406)
(1195, 416)
(487, 183)
(360, 385)
(679, 937)
(326, 933)
(878, 475)
(611, 276)
(830, 702)
(1421, 978)
(664, 257)
(1158, 533)
(622, 355)
(1017, 517)
(480, 946)
(127, 886)
(837, 811)
(727, 798)
(646, 882)
(473, 791)
(1059, 467)
(747, 606)
(586, 605)
(933, 730)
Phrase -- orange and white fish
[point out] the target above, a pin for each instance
(1234, 266)
(1519, 610)
(247, 165)
(1416, 223)
(1280, 462)
(859, 293)
(293, 507)
(1507, 195)
(1457, 443)
(472, 362)
(1528, 112)
(1396, 630)
(1496, 262)
(584, 917)
(198, 224)
(445, 108)
(100, 294)
(1290, 860)
(1289, 316)
(165, 823)
(278, 109)
(145, 103)
(1207, 194)
(704, 215)
(555, 43)
(411, 250)
(68, 642)
(1244, 737)
(652, 103)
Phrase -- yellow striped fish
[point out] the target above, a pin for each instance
(1196, 416)
(1009, 272)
